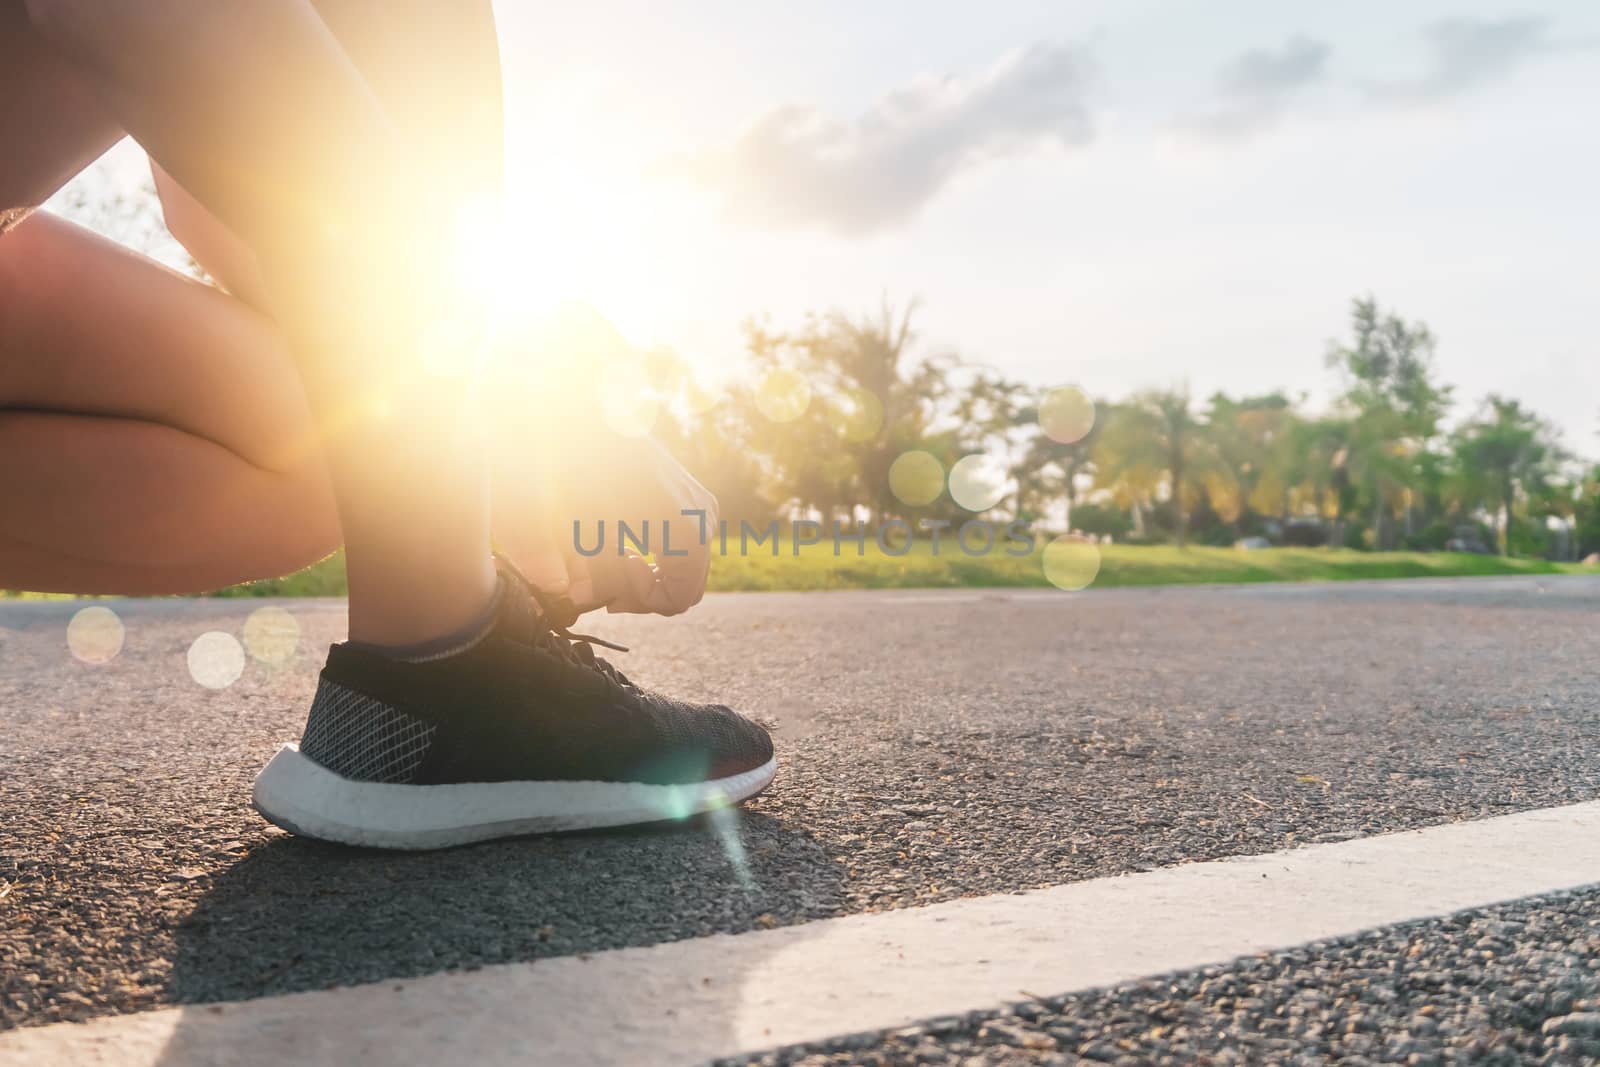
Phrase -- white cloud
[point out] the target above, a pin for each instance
(1466, 53)
(1257, 85)
(797, 167)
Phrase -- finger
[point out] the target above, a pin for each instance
(617, 583)
(681, 580)
(635, 583)
(581, 584)
(546, 571)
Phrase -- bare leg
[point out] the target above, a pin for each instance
(192, 511)
(154, 437)
(259, 112)
(90, 328)
(51, 123)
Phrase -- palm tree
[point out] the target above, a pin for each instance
(1248, 445)
(1505, 452)
(1151, 438)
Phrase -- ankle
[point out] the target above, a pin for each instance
(409, 617)
(445, 645)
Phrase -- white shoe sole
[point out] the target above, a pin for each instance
(305, 798)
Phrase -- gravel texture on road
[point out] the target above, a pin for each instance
(932, 745)
(1515, 984)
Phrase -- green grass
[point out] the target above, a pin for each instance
(1121, 565)
(818, 568)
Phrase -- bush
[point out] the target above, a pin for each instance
(1431, 538)
(1305, 533)
(1100, 521)
(1529, 537)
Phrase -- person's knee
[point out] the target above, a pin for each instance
(93, 34)
(63, 23)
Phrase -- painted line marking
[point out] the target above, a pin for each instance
(689, 1001)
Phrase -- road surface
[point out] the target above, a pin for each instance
(936, 747)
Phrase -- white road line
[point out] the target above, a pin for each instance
(690, 1001)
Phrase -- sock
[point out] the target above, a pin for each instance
(446, 645)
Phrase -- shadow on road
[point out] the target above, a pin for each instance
(298, 915)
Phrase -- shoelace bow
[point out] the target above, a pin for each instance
(579, 648)
(557, 614)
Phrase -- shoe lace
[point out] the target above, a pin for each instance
(579, 649)
(557, 614)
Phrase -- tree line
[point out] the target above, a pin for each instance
(830, 405)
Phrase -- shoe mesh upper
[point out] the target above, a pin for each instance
(364, 739)
(530, 702)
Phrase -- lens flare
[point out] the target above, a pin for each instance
(628, 400)
(1071, 563)
(451, 344)
(698, 399)
(677, 803)
(724, 820)
(95, 635)
(978, 482)
(783, 395)
(216, 659)
(271, 636)
(916, 478)
(860, 415)
(630, 409)
(1066, 415)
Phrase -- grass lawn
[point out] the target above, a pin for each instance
(818, 568)
(1120, 565)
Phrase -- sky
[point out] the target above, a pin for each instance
(1112, 194)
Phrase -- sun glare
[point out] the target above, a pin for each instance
(581, 252)
(499, 262)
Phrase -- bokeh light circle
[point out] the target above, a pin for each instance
(216, 659)
(1066, 415)
(665, 371)
(698, 398)
(271, 636)
(627, 399)
(1071, 562)
(783, 395)
(860, 415)
(95, 634)
(630, 411)
(978, 481)
(916, 478)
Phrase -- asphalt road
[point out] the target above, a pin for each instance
(933, 744)
(1513, 984)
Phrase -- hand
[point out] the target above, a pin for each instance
(540, 491)
(556, 459)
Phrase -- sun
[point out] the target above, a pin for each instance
(498, 264)
(585, 247)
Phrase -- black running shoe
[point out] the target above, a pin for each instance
(526, 731)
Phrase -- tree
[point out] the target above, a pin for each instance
(1248, 447)
(1049, 470)
(1504, 453)
(869, 402)
(1315, 471)
(1152, 437)
(1394, 402)
(1587, 514)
